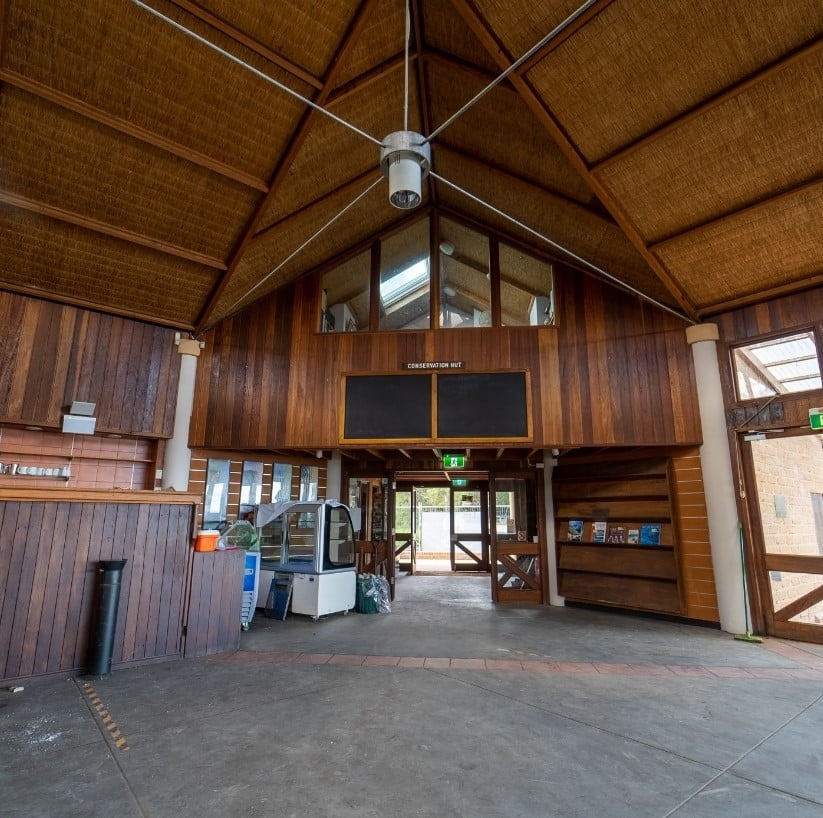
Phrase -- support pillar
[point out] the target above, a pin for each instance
(551, 542)
(334, 469)
(718, 479)
(177, 460)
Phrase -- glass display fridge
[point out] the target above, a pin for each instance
(313, 543)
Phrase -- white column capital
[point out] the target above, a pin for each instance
(702, 332)
(188, 346)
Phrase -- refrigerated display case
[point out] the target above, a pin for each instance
(314, 542)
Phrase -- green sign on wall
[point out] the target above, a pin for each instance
(454, 461)
(816, 418)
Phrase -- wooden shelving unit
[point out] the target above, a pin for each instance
(624, 495)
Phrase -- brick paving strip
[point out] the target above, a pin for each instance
(811, 669)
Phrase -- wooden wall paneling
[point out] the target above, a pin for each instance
(22, 342)
(89, 531)
(35, 574)
(626, 592)
(651, 563)
(573, 368)
(694, 548)
(10, 309)
(214, 606)
(57, 354)
(49, 621)
(146, 625)
(14, 539)
(607, 377)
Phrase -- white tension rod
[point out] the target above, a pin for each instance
(579, 259)
(319, 108)
(513, 67)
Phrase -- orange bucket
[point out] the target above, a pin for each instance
(206, 540)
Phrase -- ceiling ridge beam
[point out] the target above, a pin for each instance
(749, 207)
(497, 51)
(123, 126)
(295, 143)
(555, 194)
(223, 26)
(706, 105)
(103, 228)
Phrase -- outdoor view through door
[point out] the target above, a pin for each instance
(487, 525)
(788, 564)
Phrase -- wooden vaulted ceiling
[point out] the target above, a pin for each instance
(674, 145)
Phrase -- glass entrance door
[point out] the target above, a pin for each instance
(788, 565)
(469, 529)
(405, 534)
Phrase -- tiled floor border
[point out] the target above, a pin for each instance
(812, 669)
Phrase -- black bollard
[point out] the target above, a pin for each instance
(105, 623)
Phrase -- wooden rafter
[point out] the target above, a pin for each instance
(562, 198)
(437, 57)
(218, 23)
(707, 105)
(367, 78)
(295, 144)
(498, 52)
(123, 126)
(761, 296)
(750, 207)
(97, 226)
(356, 180)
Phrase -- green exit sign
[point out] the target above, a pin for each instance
(454, 461)
(816, 418)
(460, 482)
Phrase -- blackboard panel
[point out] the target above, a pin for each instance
(482, 405)
(388, 407)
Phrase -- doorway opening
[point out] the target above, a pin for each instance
(786, 472)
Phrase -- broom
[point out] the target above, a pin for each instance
(748, 636)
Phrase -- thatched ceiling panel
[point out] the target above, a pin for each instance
(307, 34)
(269, 252)
(519, 24)
(333, 155)
(64, 261)
(383, 36)
(54, 157)
(755, 144)
(446, 31)
(349, 283)
(592, 238)
(775, 244)
(640, 63)
(120, 59)
(501, 119)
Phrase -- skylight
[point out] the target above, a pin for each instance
(777, 366)
(404, 282)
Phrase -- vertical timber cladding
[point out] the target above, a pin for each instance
(487, 406)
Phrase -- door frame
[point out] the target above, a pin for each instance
(483, 537)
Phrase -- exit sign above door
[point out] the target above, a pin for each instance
(816, 418)
(454, 461)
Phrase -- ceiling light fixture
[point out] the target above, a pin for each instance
(405, 159)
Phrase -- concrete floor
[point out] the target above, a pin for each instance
(448, 706)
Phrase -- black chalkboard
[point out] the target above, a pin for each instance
(489, 405)
(388, 407)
